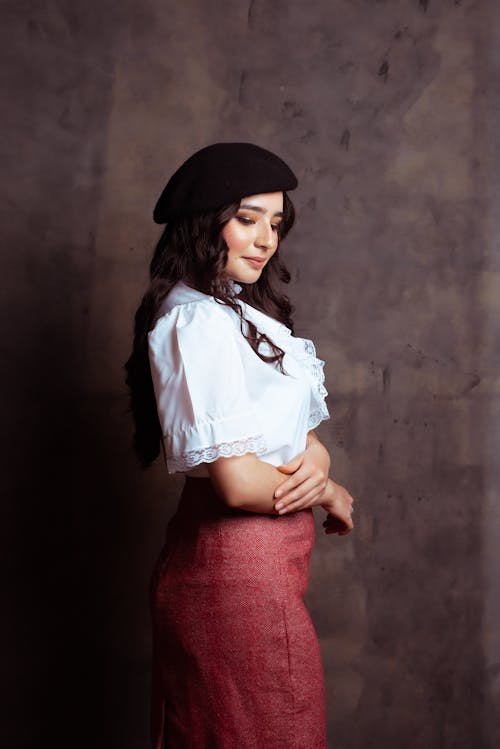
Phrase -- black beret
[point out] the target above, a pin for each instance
(220, 174)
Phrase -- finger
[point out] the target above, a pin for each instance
(289, 468)
(297, 489)
(334, 525)
(346, 531)
(292, 464)
(341, 522)
(287, 486)
(332, 521)
(305, 500)
(348, 526)
(339, 532)
(342, 509)
(341, 529)
(298, 478)
(286, 469)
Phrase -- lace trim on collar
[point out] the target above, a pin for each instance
(302, 349)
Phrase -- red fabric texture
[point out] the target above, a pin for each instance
(236, 659)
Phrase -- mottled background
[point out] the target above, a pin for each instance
(388, 111)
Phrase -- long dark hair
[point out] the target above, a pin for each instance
(192, 249)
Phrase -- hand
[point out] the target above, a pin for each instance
(338, 505)
(308, 481)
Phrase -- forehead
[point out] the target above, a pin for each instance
(268, 201)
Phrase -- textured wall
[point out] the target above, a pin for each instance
(388, 112)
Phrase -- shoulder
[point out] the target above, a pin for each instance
(203, 319)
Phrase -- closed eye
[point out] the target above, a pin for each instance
(247, 221)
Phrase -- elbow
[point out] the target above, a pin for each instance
(225, 490)
(231, 501)
(230, 496)
(232, 493)
(236, 480)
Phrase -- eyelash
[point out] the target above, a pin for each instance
(246, 221)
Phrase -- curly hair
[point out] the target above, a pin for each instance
(192, 249)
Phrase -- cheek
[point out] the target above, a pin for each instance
(235, 237)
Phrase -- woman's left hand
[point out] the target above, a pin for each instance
(308, 481)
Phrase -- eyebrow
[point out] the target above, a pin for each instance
(259, 209)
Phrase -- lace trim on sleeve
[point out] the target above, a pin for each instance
(180, 463)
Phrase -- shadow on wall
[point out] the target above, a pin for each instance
(63, 513)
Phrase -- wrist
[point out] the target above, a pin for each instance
(328, 495)
(321, 454)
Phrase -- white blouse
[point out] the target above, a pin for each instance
(216, 397)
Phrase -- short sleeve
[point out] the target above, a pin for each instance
(203, 403)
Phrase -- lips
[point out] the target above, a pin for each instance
(255, 262)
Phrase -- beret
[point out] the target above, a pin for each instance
(222, 173)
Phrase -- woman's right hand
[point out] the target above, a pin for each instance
(338, 505)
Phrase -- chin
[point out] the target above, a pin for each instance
(251, 279)
(248, 277)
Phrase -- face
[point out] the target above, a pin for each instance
(252, 236)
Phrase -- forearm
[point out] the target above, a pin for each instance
(311, 438)
(246, 482)
(314, 443)
(249, 483)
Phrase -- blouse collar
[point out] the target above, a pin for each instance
(182, 293)
(300, 349)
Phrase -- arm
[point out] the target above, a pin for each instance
(338, 504)
(311, 438)
(250, 484)
(309, 473)
(246, 482)
(332, 497)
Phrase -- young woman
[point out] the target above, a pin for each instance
(219, 381)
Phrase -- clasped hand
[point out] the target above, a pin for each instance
(309, 485)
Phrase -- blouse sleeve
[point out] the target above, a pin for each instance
(199, 380)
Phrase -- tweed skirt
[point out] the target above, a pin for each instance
(235, 660)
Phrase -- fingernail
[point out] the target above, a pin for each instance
(278, 492)
(279, 506)
(281, 512)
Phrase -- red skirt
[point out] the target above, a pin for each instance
(236, 662)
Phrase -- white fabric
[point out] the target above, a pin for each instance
(216, 397)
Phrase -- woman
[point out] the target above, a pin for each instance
(220, 382)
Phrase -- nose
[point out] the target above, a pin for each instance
(266, 237)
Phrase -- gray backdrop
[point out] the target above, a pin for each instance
(388, 111)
